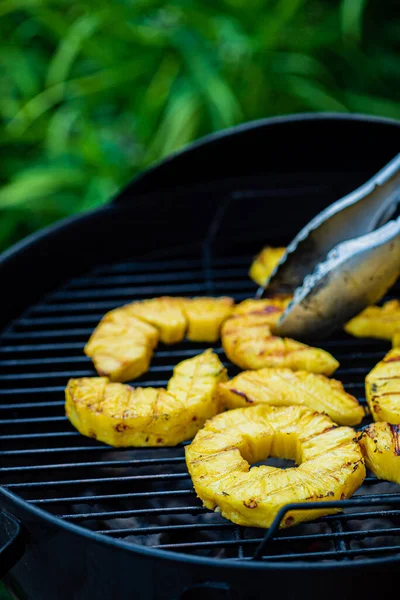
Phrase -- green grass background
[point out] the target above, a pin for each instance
(93, 92)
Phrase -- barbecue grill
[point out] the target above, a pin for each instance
(82, 520)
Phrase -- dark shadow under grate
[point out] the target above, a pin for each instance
(145, 495)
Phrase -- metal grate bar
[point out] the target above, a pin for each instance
(32, 405)
(336, 554)
(111, 279)
(290, 539)
(34, 436)
(144, 462)
(90, 307)
(98, 497)
(31, 420)
(192, 528)
(120, 514)
(124, 478)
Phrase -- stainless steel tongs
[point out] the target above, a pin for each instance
(346, 258)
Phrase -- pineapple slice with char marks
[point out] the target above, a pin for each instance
(122, 416)
(249, 343)
(270, 309)
(382, 387)
(376, 321)
(265, 263)
(165, 313)
(284, 387)
(193, 377)
(121, 346)
(380, 443)
(329, 458)
(205, 316)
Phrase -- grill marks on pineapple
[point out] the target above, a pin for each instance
(380, 443)
(249, 343)
(122, 416)
(283, 387)
(382, 387)
(218, 459)
(122, 344)
(381, 322)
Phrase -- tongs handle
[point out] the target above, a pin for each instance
(358, 213)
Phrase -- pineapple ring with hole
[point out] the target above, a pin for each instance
(380, 443)
(382, 388)
(122, 416)
(283, 387)
(376, 321)
(122, 344)
(249, 343)
(330, 462)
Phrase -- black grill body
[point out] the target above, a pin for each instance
(91, 521)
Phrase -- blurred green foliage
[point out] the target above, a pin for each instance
(92, 92)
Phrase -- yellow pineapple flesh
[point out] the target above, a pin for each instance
(380, 443)
(249, 343)
(205, 317)
(121, 346)
(330, 463)
(284, 387)
(376, 321)
(382, 387)
(265, 263)
(120, 415)
(165, 313)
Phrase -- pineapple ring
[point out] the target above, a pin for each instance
(382, 387)
(380, 443)
(122, 344)
(331, 465)
(249, 343)
(122, 416)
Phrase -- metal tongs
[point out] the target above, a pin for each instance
(346, 258)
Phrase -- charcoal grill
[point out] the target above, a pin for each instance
(83, 520)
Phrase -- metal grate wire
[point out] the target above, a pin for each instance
(145, 495)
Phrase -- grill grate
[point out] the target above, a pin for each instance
(145, 495)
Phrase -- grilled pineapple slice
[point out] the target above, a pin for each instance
(165, 313)
(269, 308)
(329, 458)
(283, 387)
(376, 321)
(121, 346)
(120, 415)
(265, 263)
(249, 343)
(205, 317)
(380, 443)
(382, 387)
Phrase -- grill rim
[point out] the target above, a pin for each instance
(227, 563)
